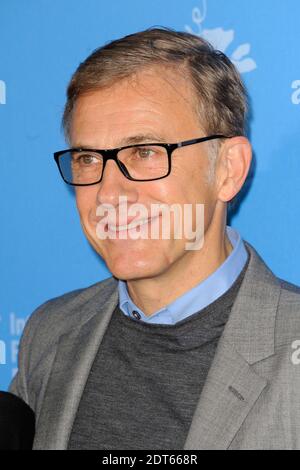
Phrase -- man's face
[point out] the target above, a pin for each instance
(154, 106)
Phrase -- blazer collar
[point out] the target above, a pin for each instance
(251, 325)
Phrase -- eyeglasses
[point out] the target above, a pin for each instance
(140, 162)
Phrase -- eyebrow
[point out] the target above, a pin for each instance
(131, 140)
(140, 138)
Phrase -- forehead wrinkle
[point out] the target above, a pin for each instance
(129, 140)
(142, 129)
(139, 111)
(139, 84)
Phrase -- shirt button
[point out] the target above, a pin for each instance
(136, 315)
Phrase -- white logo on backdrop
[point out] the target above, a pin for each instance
(2, 92)
(2, 353)
(2, 349)
(9, 347)
(16, 327)
(221, 40)
(296, 93)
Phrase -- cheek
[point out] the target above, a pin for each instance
(85, 200)
(187, 185)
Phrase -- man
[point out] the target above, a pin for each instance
(185, 346)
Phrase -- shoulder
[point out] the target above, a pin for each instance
(48, 323)
(60, 314)
(278, 298)
(292, 291)
(288, 314)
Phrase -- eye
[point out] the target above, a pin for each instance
(88, 159)
(85, 159)
(145, 152)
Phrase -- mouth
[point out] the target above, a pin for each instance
(131, 225)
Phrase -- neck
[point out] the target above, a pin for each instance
(193, 267)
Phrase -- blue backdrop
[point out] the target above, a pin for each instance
(43, 251)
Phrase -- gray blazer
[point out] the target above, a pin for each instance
(251, 398)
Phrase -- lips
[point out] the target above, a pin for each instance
(129, 225)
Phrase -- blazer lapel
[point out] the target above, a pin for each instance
(74, 357)
(232, 386)
(230, 391)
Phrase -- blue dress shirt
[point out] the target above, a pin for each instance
(199, 296)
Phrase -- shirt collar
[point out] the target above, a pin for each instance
(197, 298)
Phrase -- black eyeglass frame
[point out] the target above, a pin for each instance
(112, 154)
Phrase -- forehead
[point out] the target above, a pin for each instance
(154, 100)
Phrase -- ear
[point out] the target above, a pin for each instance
(233, 167)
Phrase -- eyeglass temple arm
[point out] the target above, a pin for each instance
(202, 139)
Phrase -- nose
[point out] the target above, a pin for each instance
(114, 184)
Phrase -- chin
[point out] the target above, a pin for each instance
(129, 268)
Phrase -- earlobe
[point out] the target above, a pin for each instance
(235, 159)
